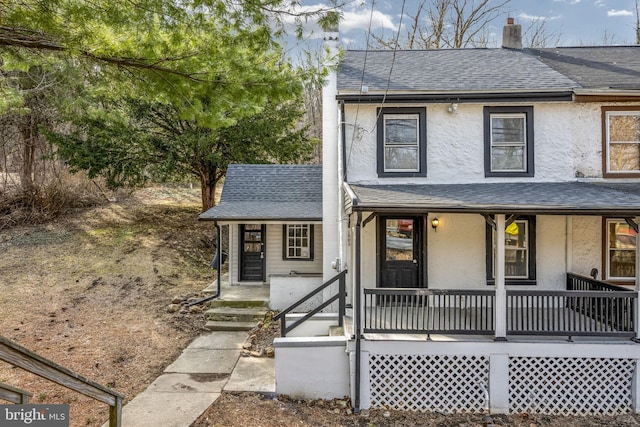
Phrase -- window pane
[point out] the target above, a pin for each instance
(507, 129)
(516, 257)
(401, 130)
(622, 249)
(399, 239)
(298, 241)
(401, 158)
(624, 142)
(507, 159)
(624, 157)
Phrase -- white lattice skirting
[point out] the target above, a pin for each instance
(446, 383)
(570, 386)
(460, 383)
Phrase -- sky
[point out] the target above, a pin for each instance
(570, 22)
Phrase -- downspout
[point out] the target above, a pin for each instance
(343, 124)
(218, 267)
(357, 313)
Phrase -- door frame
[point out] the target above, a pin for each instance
(419, 245)
(263, 231)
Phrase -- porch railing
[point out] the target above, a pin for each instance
(419, 311)
(340, 297)
(472, 312)
(576, 282)
(570, 313)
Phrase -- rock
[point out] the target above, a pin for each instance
(336, 411)
(342, 404)
(269, 351)
(172, 308)
(247, 345)
(177, 299)
(245, 353)
(386, 414)
(253, 338)
(259, 353)
(195, 309)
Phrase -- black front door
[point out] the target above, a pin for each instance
(400, 255)
(252, 265)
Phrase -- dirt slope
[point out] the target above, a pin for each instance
(90, 292)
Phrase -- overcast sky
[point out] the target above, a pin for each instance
(572, 22)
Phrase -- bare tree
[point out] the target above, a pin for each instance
(448, 24)
(537, 34)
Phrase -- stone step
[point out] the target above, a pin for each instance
(336, 331)
(245, 303)
(216, 325)
(233, 314)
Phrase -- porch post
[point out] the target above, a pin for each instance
(501, 292)
(636, 317)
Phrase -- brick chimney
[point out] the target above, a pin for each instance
(512, 35)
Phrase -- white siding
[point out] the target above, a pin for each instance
(277, 265)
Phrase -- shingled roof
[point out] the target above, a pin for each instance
(489, 70)
(552, 198)
(269, 192)
(613, 67)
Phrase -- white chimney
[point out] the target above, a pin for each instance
(512, 35)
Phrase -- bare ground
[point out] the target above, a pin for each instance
(91, 290)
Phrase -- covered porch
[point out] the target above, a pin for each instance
(472, 321)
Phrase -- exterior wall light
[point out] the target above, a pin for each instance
(435, 222)
(453, 108)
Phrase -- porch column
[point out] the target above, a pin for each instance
(501, 292)
(637, 289)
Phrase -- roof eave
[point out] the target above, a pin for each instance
(565, 94)
(529, 210)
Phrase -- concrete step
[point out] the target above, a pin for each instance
(336, 331)
(216, 325)
(244, 303)
(232, 314)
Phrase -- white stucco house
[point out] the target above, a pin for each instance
(480, 209)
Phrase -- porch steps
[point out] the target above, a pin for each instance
(237, 316)
(336, 331)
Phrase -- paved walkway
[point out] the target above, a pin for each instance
(209, 365)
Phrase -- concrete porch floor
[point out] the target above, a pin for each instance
(259, 294)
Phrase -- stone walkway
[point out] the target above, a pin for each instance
(209, 365)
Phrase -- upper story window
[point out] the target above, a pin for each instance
(508, 139)
(620, 257)
(402, 142)
(621, 129)
(298, 242)
(520, 252)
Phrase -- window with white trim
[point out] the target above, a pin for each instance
(401, 142)
(620, 257)
(298, 242)
(621, 141)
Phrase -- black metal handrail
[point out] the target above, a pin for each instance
(340, 296)
(571, 313)
(430, 311)
(577, 282)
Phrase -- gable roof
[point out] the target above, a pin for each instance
(269, 192)
(449, 74)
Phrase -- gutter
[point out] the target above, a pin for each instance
(531, 96)
(357, 314)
